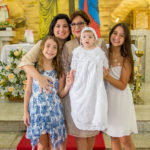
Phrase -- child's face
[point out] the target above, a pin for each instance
(118, 37)
(50, 49)
(88, 40)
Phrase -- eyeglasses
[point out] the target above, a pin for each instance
(80, 24)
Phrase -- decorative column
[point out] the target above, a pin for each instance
(137, 99)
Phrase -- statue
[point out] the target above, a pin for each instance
(4, 15)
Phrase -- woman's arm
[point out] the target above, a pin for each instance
(31, 57)
(63, 88)
(27, 64)
(27, 95)
(43, 80)
(124, 78)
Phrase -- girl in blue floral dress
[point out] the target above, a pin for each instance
(43, 113)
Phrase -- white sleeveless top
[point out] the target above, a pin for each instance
(87, 94)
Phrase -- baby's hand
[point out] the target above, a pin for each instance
(26, 119)
(70, 78)
(106, 72)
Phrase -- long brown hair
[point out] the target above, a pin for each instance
(125, 51)
(54, 21)
(56, 62)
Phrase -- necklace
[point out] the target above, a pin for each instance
(116, 61)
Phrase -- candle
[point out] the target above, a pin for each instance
(140, 43)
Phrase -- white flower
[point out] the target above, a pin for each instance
(16, 70)
(10, 60)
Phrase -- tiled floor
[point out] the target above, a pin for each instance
(9, 140)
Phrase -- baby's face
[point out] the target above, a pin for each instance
(88, 40)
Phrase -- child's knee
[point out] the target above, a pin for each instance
(43, 142)
(115, 139)
(126, 141)
(43, 146)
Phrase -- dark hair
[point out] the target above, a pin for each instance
(56, 62)
(54, 21)
(82, 14)
(125, 51)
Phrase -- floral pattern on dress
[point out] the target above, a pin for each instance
(46, 113)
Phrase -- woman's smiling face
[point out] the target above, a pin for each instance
(61, 29)
(77, 25)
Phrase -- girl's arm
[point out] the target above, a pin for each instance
(63, 88)
(27, 95)
(124, 78)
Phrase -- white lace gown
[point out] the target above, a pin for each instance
(121, 112)
(88, 95)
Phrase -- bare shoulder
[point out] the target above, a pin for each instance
(127, 64)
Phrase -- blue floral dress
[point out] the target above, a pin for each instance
(46, 113)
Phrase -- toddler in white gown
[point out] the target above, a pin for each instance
(87, 94)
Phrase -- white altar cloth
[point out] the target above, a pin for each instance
(7, 48)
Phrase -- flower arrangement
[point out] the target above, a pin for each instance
(8, 23)
(12, 79)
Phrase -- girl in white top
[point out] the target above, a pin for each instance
(121, 113)
(87, 94)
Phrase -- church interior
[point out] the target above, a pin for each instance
(24, 22)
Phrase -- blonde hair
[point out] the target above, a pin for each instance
(56, 62)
